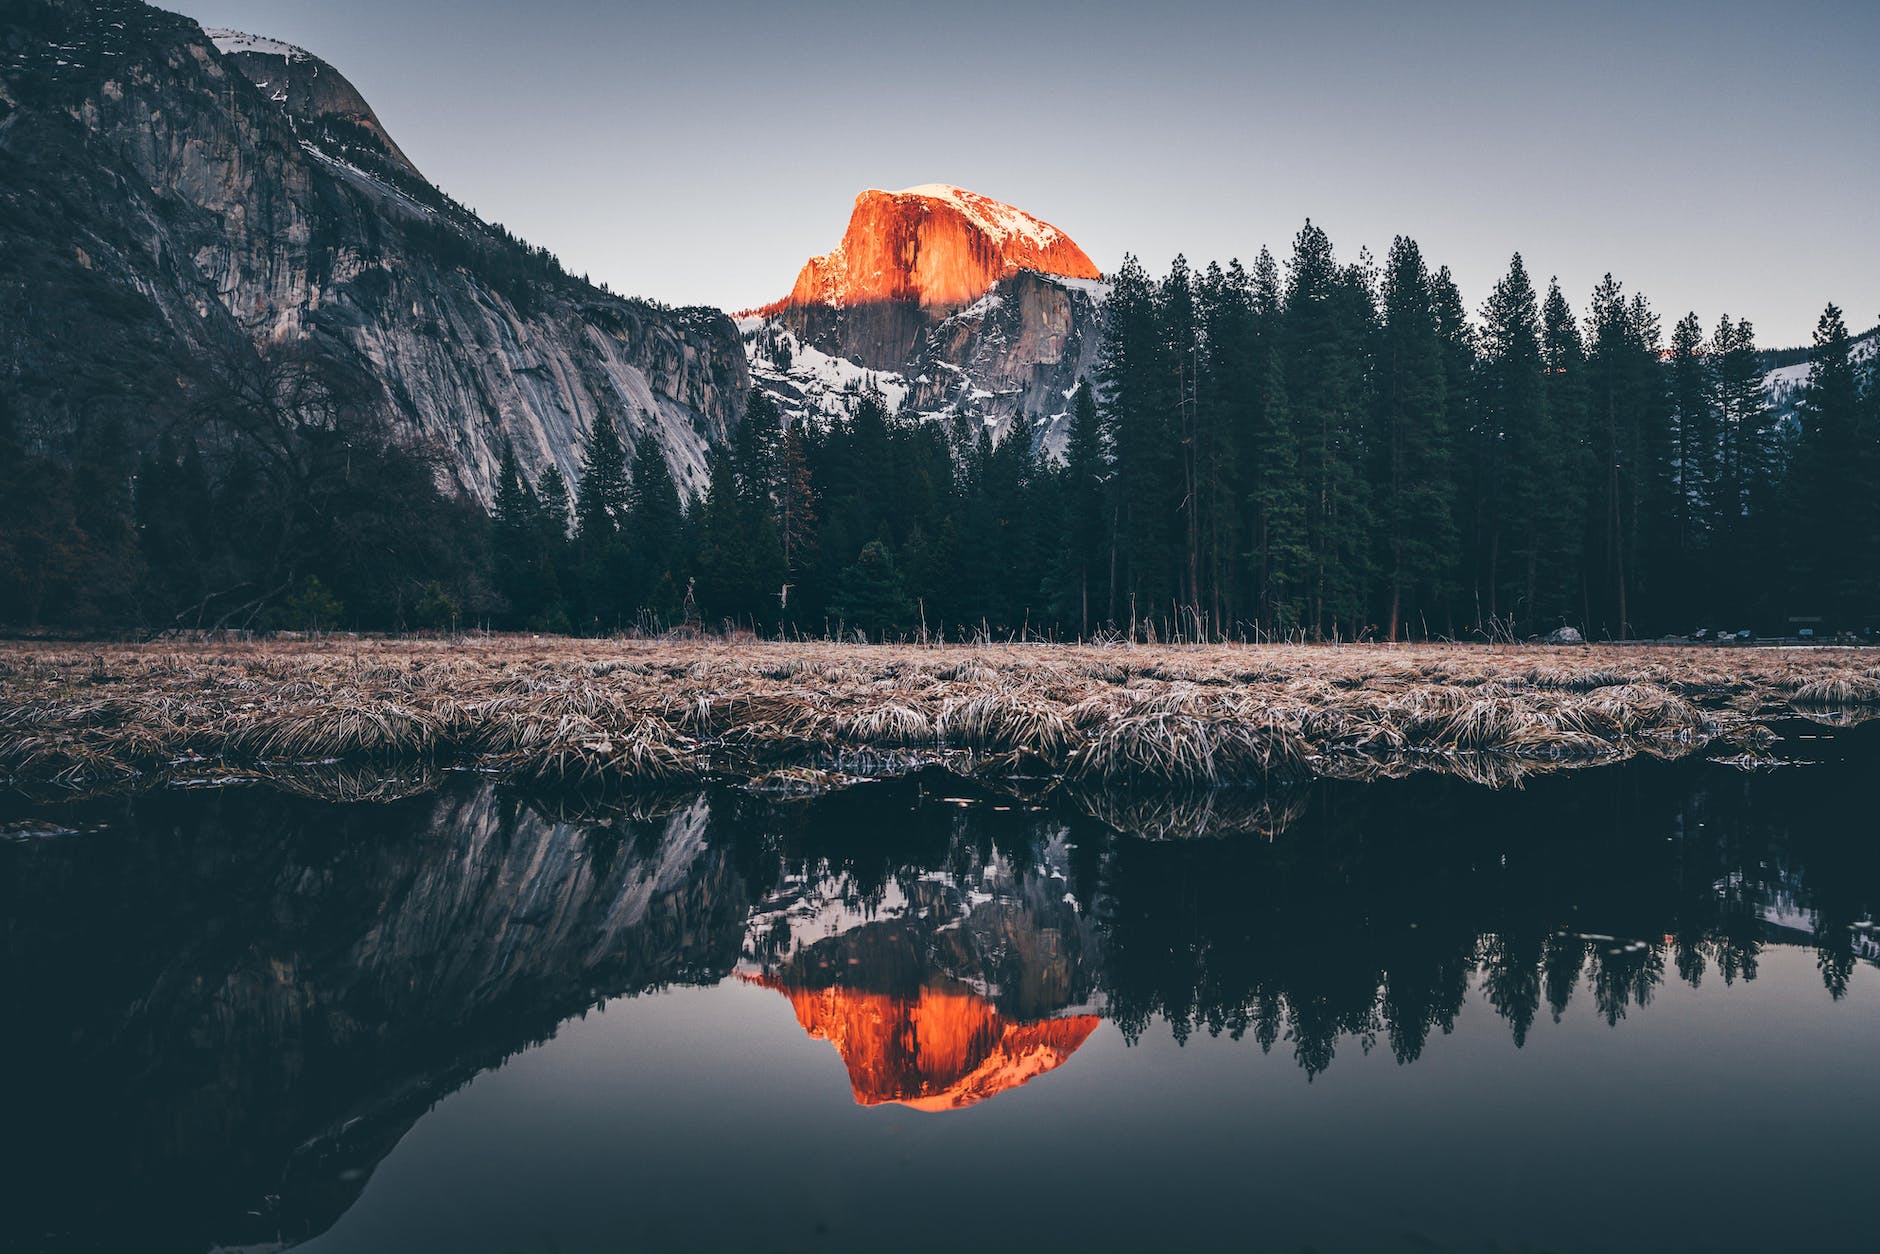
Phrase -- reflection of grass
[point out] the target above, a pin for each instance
(560, 712)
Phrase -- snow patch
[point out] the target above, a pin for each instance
(233, 41)
(817, 385)
(996, 218)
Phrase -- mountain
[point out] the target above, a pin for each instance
(297, 988)
(939, 1049)
(312, 92)
(180, 209)
(1787, 379)
(943, 301)
(948, 989)
(936, 247)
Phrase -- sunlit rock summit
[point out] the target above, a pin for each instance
(941, 300)
(937, 1050)
(190, 213)
(935, 246)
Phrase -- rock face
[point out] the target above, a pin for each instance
(942, 300)
(936, 1050)
(310, 90)
(946, 990)
(936, 247)
(176, 207)
(303, 988)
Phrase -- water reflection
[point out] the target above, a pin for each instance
(234, 1003)
(939, 986)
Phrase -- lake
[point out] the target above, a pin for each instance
(1627, 1009)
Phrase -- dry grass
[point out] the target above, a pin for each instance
(567, 712)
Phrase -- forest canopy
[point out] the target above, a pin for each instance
(1312, 449)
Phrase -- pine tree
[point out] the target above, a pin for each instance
(728, 581)
(1609, 369)
(1276, 500)
(1328, 322)
(1743, 504)
(1415, 494)
(1229, 388)
(1517, 466)
(656, 527)
(1655, 510)
(551, 494)
(1831, 489)
(1180, 352)
(870, 596)
(1557, 590)
(796, 502)
(601, 497)
(1458, 339)
(1086, 477)
(1135, 399)
(757, 446)
(515, 543)
(1693, 409)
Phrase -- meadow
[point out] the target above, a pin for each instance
(354, 717)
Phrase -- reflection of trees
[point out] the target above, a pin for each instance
(216, 986)
(1370, 918)
(245, 994)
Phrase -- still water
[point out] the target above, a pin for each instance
(1634, 1009)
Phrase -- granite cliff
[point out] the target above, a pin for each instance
(177, 206)
(942, 300)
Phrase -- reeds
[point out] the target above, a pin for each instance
(560, 713)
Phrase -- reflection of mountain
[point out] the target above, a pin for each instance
(941, 1049)
(940, 990)
(222, 996)
(254, 996)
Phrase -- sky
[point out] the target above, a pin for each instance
(1718, 156)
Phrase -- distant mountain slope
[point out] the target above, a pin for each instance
(175, 205)
(312, 92)
(1788, 374)
(944, 301)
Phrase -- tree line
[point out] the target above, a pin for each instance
(1339, 450)
(1314, 449)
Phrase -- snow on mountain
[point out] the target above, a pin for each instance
(997, 219)
(937, 247)
(270, 212)
(1785, 385)
(233, 41)
(944, 302)
(1021, 347)
(808, 383)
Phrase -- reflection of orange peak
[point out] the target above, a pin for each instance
(937, 246)
(942, 1050)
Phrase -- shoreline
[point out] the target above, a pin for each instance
(807, 717)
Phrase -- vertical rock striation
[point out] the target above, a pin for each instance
(944, 300)
(176, 205)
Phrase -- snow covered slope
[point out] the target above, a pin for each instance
(1785, 385)
(945, 302)
(1021, 347)
(181, 203)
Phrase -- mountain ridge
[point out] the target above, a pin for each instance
(941, 301)
(178, 224)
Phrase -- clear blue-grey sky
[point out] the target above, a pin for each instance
(1716, 155)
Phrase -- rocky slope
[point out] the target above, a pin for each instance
(304, 985)
(311, 92)
(936, 247)
(942, 300)
(1785, 385)
(178, 206)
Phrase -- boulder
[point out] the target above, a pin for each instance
(1563, 635)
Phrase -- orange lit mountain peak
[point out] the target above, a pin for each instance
(936, 246)
(941, 1050)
